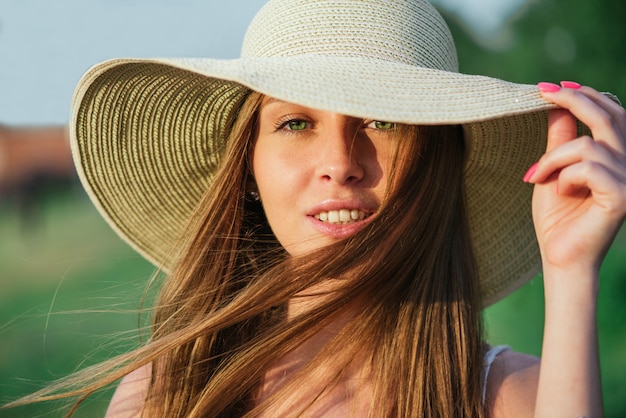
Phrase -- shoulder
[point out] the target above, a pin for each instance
(512, 385)
(129, 397)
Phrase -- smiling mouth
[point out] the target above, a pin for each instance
(341, 216)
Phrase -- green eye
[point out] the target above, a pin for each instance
(383, 126)
(297, 125)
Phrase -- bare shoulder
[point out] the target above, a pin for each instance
(129, 397)
(512, 385)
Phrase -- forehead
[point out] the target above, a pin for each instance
(269, 101)
(270, 105)
(272, 108)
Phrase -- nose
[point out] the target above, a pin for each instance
(339, 158)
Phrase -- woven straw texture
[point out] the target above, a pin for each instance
(147, 135)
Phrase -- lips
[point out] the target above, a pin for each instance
(341, 216)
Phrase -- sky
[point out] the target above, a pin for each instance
(46, 45)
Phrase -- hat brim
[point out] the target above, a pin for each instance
(147, 136)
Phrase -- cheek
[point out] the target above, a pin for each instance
(279, 178)
(380, 164)
(280, 184)
(269, 172)
(279, 166)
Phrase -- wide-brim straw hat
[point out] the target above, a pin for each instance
(147, 134)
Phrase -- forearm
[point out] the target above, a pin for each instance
(579, 202)
(569, 380)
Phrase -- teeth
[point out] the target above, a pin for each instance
(342, 216)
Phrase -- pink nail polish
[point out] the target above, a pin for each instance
(570, 85)
(548, 87)
(530, 172)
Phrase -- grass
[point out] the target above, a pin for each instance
(517, 321)
(71, 290)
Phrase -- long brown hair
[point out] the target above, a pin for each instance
(413, 265)
(219, 321)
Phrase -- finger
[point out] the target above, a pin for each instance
(561, 128)
(607, 121)
(605, 100)
(575, 151)
(617, 114)
(608, 102)
(608, 191)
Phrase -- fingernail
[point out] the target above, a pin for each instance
(548, 87)
(570, 85)
(530, 172)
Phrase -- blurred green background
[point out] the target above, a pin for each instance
(70, 289)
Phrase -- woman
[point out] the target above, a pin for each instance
(334, 209)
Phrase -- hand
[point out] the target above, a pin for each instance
(579, 200)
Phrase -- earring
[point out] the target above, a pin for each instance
(254, 196)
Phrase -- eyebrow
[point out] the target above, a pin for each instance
(270, 100)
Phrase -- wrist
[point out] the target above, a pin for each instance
(571, 285)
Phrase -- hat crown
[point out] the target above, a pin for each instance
(375, 29)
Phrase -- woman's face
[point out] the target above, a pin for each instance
(321, 176)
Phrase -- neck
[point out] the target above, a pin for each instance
(333, 387)
(309, 299)
(293, 362)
